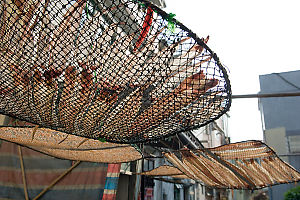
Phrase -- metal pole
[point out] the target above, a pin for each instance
(23, 173)
(246, 96)
(142, 183)
(57, 179)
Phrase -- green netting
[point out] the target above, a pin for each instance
(125, 71)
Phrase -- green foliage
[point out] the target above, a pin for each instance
(292, 194)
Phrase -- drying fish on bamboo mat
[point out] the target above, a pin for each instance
(244, 165)
(122, 70)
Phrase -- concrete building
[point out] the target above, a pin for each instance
(280, 120)
(215, 133)
(212, 135)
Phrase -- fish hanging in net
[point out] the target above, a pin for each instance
(107, 69)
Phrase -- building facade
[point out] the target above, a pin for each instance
(280, 120)
(212, 135)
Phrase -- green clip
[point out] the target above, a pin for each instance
(102, 140)
(87, 10)
(95, 74)
(137, 148)
(171, 23)
(140, 3)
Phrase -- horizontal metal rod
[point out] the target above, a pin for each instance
(288, 94)
(291, 154)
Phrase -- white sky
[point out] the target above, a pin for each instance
(251, 38)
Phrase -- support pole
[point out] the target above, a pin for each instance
(23, 173)
(142, 182)
(56, 180)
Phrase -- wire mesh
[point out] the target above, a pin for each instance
(123, 70)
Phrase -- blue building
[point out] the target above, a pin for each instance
(281, 121)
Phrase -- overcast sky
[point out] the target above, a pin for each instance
(251, 38)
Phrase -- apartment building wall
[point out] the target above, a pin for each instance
(212, 135)
(280, 119)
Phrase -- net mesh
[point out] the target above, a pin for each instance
(125, 71)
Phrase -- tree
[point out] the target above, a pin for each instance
(292, 194)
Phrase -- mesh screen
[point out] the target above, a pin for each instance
(121, 70)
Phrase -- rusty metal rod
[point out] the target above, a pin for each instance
(285, 94)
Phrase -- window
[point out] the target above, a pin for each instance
(294, 143)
